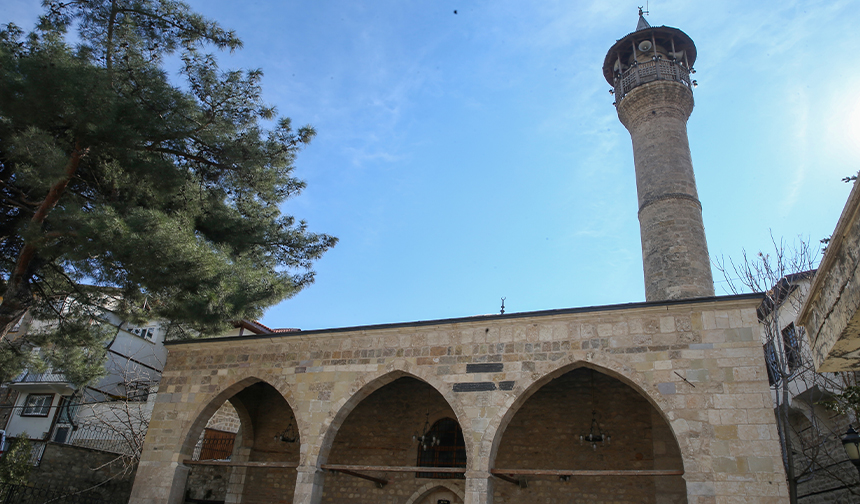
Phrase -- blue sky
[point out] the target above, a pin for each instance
(465, 157)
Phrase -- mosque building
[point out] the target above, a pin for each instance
(665, 401)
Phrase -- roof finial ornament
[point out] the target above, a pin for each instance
(642, 24)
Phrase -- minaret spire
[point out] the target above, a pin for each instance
(642, 24)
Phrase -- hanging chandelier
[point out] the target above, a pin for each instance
(595, 434)
(290, 434)
(427, 439)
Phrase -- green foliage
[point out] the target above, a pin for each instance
(131, 193)
(15, 464)
(845, 403)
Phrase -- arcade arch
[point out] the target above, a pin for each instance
(263, 455)
(539, 439)
(377, 439)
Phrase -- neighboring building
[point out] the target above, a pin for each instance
(809, 432)
(831, 312)
(101, 424)
(87, 437)
(662, 402)
(48, 407)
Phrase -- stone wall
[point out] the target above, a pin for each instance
(225, 419)
(696, 363)
(73, 469)
(208, 482)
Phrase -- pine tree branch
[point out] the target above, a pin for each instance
(186, 155)
(21, 201)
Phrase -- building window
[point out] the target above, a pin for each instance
(449, 452)
(147, 333)
(37, 405)
(137, 391)
(772, 363)
(791, 344)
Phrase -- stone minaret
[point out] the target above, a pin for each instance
(649, 70)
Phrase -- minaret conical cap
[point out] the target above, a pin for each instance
(642, 24)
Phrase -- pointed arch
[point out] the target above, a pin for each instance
(429, 488)
(369, 384)
(598, 362)
(230, 393)
(201, 417)
(263, 412)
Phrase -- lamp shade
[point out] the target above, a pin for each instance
(851, 442)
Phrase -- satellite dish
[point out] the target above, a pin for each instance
(645, 45)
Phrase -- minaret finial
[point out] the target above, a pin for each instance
(642, 23)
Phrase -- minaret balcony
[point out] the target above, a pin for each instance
(656, 69)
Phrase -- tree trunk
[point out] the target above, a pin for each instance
(786, 433)
(18, 297)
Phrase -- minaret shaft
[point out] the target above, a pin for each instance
(674, 250)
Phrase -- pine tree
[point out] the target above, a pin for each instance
(128, 191)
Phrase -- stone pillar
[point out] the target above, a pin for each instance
(236, 485)
(479, 487)
(674, 251)
(177, 491)
(309, 485)
(159, 483)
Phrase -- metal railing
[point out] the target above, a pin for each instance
(49, 377)
(657, 69)
(37, 449)
(103, 439)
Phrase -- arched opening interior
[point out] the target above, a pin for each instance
(433, 494)
(442, 446)
(383, 439)
(549, 435)
(248, 450)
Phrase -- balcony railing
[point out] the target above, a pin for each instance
(115, 440)
(658, 69)
(49, 377)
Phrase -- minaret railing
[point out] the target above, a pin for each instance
(657, 69)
